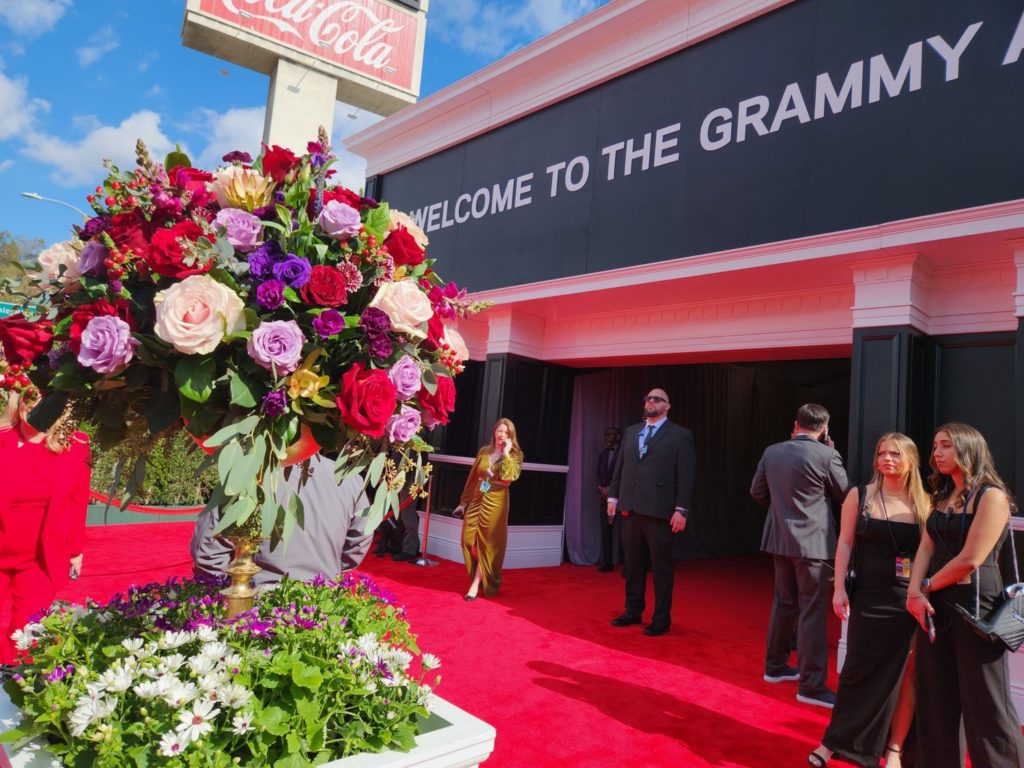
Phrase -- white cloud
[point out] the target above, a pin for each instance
(492, 30)
(240, 128)
(153, 92)
(4, 165)
(81, 162)
(100, 44)
(32, 17)
(17, 110)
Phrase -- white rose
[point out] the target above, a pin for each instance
(194, 315)
(58, 255)
(405, 305)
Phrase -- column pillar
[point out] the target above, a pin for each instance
(299, 101)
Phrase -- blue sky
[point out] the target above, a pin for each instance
(80, 80)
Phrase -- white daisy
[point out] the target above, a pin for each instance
(117, 679)
(215, 651)
(206, 633)
(172, 744)
(133, 644)
(241, 724)
(201, 665)
(196, 722)
(179, 694)
(430, 661)
(234, 695)
(147, 690)
(174, 639)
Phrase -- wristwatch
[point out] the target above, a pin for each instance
(926, 586)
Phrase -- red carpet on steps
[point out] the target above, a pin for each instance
(542, 664)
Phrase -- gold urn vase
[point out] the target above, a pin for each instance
(241, 569)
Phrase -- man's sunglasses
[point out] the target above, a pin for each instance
(655, 398)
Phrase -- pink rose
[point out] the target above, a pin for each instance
(195, 315)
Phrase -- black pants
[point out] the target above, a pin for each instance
(606, 534)
(410, 520)
(802, 602)
(648, 540)
(963, 675)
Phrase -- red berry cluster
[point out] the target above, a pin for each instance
(14, 378)
(449, 358)
(363, 249)
(118, 195)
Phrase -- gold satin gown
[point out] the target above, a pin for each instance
(486, 518)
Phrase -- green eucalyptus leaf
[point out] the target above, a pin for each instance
(243, 427)
(377, 468)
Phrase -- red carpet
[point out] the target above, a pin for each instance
(542, 664)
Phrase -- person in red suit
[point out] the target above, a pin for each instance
(43, 499)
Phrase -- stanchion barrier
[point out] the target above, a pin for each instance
(97, 496)
(423, 559)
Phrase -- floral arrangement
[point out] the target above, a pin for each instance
(266, 310)
(315, 671)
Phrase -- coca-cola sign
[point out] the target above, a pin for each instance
(367, 36)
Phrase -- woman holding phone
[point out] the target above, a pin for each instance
(484, 505)
(961, 676)
(875, 700)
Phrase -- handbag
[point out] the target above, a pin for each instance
(850, 582)
(1004, 624)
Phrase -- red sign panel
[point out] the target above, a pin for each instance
(367, 36)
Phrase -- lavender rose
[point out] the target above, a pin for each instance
(276, 344)
(329, 323)
(90, 262)
(405, 375)
(270, 294)
(107, 344)
(403, 425)
(241, 228)
(293, 270)
(340, 220)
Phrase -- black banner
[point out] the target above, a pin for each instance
(821, 116)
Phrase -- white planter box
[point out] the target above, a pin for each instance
(452, 738)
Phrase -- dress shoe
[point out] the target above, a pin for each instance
(784, 675)
(403, 557)
(653, 630)
(626, 619)
(605, 567)
(825, 698)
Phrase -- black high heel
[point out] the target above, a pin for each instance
(816, 761)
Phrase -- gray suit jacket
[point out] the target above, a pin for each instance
(663, 479)
(333, 538)
(795, 480)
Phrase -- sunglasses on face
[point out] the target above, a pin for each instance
(655, 399)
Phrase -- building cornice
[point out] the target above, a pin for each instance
(617, 38)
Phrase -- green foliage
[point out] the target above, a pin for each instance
(315, 672)
(173, 475)
(15, 253)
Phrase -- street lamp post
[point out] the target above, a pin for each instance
(37, 196)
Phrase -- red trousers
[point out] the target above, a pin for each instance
(29, 591)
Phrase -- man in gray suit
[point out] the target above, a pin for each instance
(795, 480)
(652, 489)
(333, 537)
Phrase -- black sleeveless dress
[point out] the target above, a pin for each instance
(879, 636)
(962, 674)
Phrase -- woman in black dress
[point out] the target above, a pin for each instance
(875, 704)
(961, 675)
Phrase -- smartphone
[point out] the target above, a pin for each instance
(929, 622)
(824, 437)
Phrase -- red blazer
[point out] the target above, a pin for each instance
(63, 533)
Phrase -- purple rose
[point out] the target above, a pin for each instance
(263, 259)
(403, 425)
(92, 258)
(241, 228)
(270, 294)
(276, 345)
(293, 270)
(275, 403)
(405, 375)
(329, 323)
(340, 220)
(375, 321)
(107, 344)
(381, 347)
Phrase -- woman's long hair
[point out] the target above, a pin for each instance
(58, 437)
(911, 478)
(974, 459)
(516, 452)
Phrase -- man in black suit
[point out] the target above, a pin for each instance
(605, 468)
(796, 479)
(652, 489)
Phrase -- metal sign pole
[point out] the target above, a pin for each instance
(423, 559)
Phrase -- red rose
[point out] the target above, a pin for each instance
(193, 181)
(83, 314)
(403, 248)
(325, 287)
(367, 400)
(435, 330)
(166, 254)
(277, 162)
(437, 406)
(130, 231)
(24, 340)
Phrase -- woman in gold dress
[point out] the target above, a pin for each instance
(484, 506)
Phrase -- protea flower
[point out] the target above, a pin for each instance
(245, 188)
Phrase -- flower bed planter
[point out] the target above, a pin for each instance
(451, 738)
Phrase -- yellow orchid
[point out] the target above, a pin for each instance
(305, 383)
